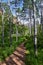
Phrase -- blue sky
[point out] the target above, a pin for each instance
(12, 6)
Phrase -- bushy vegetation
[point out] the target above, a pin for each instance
(9, 36)
(30, 56)
(7, 48)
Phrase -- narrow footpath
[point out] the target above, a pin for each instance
(17, 58)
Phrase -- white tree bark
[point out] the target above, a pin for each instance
(35, 27)
(35, 30)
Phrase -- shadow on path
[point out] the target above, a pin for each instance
(17, 58)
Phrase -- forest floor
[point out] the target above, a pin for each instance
(17, 58)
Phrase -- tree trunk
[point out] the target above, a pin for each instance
(10, 24)
(16, 32)
(35, 28)
(10, 31)
(41, 22)
(30, 22)
(3, 29)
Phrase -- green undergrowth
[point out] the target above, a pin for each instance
(5, 51)
(30, 57)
